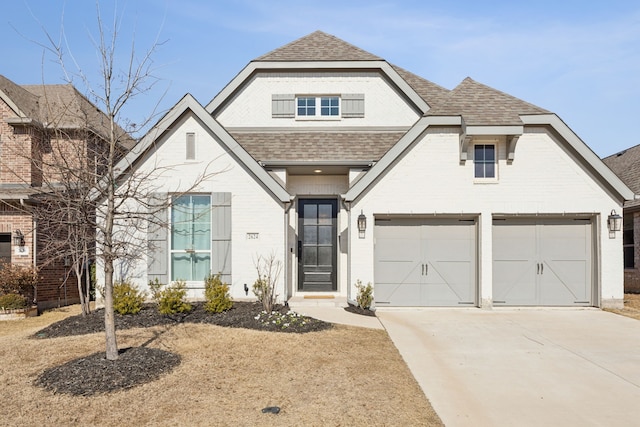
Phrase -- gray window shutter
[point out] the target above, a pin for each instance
(283, 106)
(157, 238)
(221, 235)
(353, 105)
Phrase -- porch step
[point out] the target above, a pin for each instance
(317, 301)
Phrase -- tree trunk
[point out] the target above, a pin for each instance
(109, 316)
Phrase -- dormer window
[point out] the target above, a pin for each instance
(307, 106)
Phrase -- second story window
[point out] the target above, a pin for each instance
(307, 106)
(484, 159)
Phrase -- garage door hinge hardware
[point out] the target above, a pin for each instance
(540, 266)
(425, 269)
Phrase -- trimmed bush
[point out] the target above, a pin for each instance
(364, 298)
(171, 300)
(216, 294)
(18, 279)
(12, 302)
(127, 299)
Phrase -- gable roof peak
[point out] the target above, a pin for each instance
(318, 46)
(483, 105)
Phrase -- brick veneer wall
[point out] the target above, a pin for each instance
(632, 275)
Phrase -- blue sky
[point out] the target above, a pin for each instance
(579, 59)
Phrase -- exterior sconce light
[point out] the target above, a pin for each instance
(18, 238)
(614, 222)
(362, 224)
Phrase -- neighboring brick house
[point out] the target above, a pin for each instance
(39, 126)
(626, 164)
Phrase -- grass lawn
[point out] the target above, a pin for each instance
(344, 376)
(631, 306)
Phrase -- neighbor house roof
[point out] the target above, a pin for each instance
(626, 164)
(58, 106)
(481, 105)
(18, 98)
(318, 46)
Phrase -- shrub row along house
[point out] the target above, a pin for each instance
(346, 167)
(51, 140)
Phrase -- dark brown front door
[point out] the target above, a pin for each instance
(317, 243)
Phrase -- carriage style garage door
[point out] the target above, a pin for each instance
(545, 262)
(425, 262)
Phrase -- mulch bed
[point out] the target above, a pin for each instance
(94, 374)
(359, 310)
(242, 315)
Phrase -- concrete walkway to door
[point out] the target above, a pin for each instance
(527, 367)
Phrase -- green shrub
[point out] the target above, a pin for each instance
(12, 301)
(364, 298)
(171, 300)
(156, 290)
(216, 294)
(127, 299)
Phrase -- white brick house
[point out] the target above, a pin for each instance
(471, 197)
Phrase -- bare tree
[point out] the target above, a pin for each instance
(121, 202)
(93, 204)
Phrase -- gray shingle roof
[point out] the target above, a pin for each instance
(318, 46)
(60, 106)
(26, 101)
(626, 164)
(316, 146)
(482, 105)
(430, 92)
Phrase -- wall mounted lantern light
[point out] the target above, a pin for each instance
(614, 222)
(362, 224)
(18, 238)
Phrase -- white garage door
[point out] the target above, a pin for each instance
(425, 262)
(544, 262)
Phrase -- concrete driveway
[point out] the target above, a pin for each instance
(528, 367)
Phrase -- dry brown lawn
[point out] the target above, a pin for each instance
(345, 376)
(631, 306)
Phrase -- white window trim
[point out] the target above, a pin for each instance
(496, 147)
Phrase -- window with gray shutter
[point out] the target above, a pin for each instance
(352, 105)
(283, 106)
(221, 235)
(191, 146)
(157, 253)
